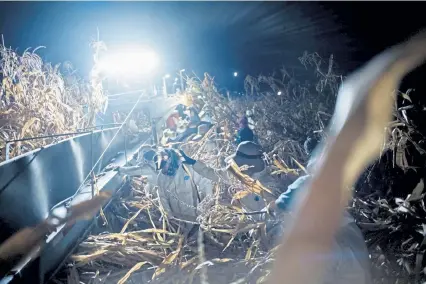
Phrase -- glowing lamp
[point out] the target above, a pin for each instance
(130, 62)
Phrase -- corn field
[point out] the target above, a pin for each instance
(37, 99)
(135, 240)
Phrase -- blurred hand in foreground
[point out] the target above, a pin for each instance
(363, 109)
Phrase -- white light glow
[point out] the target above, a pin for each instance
(130, 62)
(167, 76)
(235, 74)
(279, 93)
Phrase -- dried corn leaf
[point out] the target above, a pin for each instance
(89, 257)
(129, 221)
(25, 239)
(129, 273)
(240, 194)
(20, 243)
(87, 209)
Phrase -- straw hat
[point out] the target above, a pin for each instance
(250, 154)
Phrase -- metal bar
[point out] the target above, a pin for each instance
(125, 93)
(164, 87)
(154, 131)
(50, 136)
(148, 114)
(7, 154)
(101, 126)
(181, 80)
(125, 144)
(91, 164)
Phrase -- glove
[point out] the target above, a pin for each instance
(187, 160)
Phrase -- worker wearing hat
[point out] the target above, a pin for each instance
(180, 189)
(248, 153)
(184, 182)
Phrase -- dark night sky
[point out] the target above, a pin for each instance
(218, 37)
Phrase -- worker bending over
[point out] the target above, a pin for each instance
(184, 182)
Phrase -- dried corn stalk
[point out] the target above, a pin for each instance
(36, 100)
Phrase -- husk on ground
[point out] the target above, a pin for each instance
(38, 100)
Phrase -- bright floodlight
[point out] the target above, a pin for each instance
(279, 93)
(130, 61)
(235, 74)
(167, 76)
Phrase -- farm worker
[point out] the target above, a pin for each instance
(181, 192)
(194, 122)
(181, 110)
(249, 115)
(172, 120)
(180, 188)
(143, 164)
(248, 153)
(244, 132)
(285, 198)
(194, 118)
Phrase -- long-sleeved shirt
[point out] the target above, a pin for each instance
(178, 194)
(145, 171)
(285, 199)
(251, 202)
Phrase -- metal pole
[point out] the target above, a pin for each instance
(7, 148)
(101, 126)
(91, 164)
(148, 114)
(125, 93)
(181, 81)
(49, 136)
(154, 131)
(164, 87)
(125, 143)
(7, 154)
